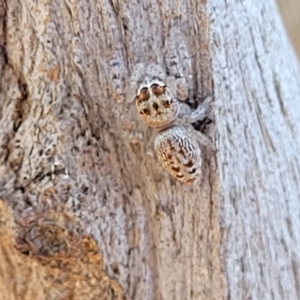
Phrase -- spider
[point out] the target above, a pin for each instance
(177, 144)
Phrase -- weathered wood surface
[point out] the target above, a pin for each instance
(45, 255)
(67, 136)
(257, 85)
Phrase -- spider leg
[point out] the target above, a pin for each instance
(198, 114)
(149, 144)
(201, 111)
(204, 140)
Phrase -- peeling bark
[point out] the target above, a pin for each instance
(44, 256)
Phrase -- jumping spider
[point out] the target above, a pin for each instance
(178, 146)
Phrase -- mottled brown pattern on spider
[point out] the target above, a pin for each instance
(156, 103)
(179, 153)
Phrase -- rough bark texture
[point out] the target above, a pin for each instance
(74, 170)
(44, 255)
(65, 127)
(257, 88)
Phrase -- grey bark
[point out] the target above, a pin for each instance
(256, 80)
(72, 153)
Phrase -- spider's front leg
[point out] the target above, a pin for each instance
(203, 141)
(150, 142)
(187, 115)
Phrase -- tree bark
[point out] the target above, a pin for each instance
(257, 120)
(86, 213)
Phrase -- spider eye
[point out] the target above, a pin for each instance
(143, 95)
(157, 89)
(154, 86)
(144, 90)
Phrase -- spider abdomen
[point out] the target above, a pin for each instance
(179, 153)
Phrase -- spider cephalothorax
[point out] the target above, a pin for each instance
(155, 103)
